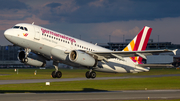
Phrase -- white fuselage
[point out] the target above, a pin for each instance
(43, 41)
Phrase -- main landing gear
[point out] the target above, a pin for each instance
(56, 73)
(90, 74)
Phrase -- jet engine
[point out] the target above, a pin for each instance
(32, 59)
(82, 58)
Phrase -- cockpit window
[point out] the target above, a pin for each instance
(17, 27)
(22, 28)
(25, 29)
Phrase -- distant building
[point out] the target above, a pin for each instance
(150, 46)
(8, 53)
(8, 57)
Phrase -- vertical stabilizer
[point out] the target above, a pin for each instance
(139, 43)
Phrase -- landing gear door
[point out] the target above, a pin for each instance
(37, 33)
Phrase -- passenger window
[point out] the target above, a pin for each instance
(25, 29)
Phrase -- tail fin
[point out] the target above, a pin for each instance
(139, 43)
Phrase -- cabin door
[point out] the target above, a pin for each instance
(37, 33)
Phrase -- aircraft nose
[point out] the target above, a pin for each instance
(8, 33)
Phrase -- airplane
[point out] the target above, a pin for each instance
(41, 44)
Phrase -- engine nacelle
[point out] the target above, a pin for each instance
(82, 58)
(32, 59)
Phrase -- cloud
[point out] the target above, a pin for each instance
(12, 4)
(97, 11)
(130, 32)
(54, 5)
(5, 24)
(95, 20)
(83, 2)
(167, 29)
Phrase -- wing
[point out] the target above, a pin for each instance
(121, 54)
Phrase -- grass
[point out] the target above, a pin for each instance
(101, 85)
(158, 83)
(151, 100)
(10, 74)
(89, 85)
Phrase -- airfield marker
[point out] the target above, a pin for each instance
(47, 83)
(35, 72)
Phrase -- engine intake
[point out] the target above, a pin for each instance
(82, 58)
(32, 59)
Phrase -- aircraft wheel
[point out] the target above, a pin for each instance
(87, 75)
(53, 74)
(58, 74)
(25, 60)
(93, 74)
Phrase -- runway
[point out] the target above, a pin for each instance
(78, 79)
(88, 96)
(93, 96)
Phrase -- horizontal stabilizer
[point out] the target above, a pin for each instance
(155, 65)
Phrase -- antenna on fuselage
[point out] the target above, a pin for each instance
(33, 23)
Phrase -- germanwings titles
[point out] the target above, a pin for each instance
(41, 45)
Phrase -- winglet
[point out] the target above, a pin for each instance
(174, 51)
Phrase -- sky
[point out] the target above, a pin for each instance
(95, 20)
